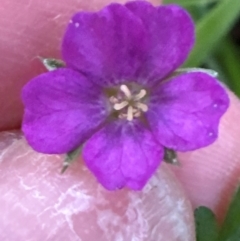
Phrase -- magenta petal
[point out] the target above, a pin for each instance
(170, 35)
(123, 154)
(62, 108)
(184, 112)
(108, 46)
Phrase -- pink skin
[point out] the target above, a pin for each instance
(36, 200)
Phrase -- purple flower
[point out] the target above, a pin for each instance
(118, 96)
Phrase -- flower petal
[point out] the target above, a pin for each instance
(62, 108)
(122, 154)
(108, 46)
(184, 112)
(170, 34)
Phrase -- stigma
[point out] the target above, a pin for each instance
(129, 104)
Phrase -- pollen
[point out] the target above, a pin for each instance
(128, 103)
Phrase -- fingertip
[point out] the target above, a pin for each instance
(30, 29)
(210, 175)
(74, 206)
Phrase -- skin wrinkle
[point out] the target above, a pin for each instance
(214, 168)
(168, 200)
(69, 210)
(65, 204)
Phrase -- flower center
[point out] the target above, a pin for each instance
(129, 104)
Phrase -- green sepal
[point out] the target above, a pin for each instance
(210, 72)
(70, 158)
(170, 156)
(51, 64)
(231, 227)
(206, 225)
(186, 3)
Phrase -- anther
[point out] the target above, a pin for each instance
(113, 100)
(128, 105)
(126, 91)
(120, 106)
(142, 106)
(140, 95)
(137, 114)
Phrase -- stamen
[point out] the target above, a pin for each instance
(113, 100)
(137, 114)
(122, 116)
(126, 91)
(135, 111)
(130, 113)
(120, 106)
(128, 105)
(142, 106)
(140, 95)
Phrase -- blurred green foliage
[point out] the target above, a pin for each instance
(215, 46)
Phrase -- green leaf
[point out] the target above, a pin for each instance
(231, 227)
(213, 63)
(206, 225)
(212, 28)
(229, 57)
